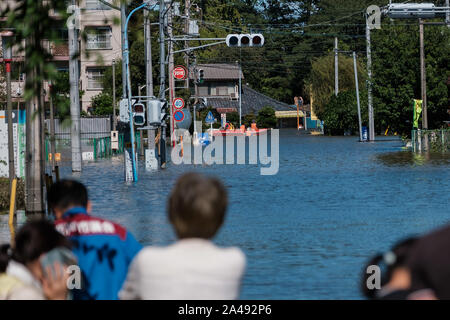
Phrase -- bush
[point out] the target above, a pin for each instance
(102, 105)
(340, 114)
(266, 118)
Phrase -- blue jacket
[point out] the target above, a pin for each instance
(104, 250)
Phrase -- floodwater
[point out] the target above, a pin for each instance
(306, 231)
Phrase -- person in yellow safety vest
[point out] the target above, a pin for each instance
(229, 126)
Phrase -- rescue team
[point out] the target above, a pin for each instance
(113, 265)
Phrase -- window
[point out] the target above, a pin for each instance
(96, 5)
(203, 90)
(222, 90)
(98, 38)
(95, 78)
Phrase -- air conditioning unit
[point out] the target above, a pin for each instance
(234, 96)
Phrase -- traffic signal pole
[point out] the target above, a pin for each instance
(171, 78)
(162, 79)
(128, 77)
(150, 159)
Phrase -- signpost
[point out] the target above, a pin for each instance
(178, 103)
(178, 116)
(180, 73)
(210, 119)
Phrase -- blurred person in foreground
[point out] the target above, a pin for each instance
(23, 273)
(104, 249)
(396, 275)
(193, 267)
(429, 262)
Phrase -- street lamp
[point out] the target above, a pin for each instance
(126, 54)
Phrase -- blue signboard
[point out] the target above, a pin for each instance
(178, 116)
(210, 118)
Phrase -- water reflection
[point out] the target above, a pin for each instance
(408, 158)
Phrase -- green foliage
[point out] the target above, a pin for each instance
(248, 119)
(340, 114)
(233, 118)
(60, 95)
(396, 68)
(266, 118)
(32, 24)
(102, 104)
(322, 78)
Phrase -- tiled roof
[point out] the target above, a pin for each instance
(252, 102)
(218, 71)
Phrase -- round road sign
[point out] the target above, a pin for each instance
(178, 103)
(180, 73)
(178, 116)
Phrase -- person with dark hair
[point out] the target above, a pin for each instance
(22, 272)
(429, 263)
(193, 267)
(104, 249)
(395, 280)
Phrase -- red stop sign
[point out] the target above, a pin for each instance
(179, 72)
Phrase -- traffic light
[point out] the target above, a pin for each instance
(156, 112)
(201, 75)
(139, 114)
(411, 10)
(245, 40)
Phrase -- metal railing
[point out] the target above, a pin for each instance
(99, 147)
(430, 140)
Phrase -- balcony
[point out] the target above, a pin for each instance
(60, 51)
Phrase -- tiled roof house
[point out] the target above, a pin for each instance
(221, 90)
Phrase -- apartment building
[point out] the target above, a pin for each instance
(99, 43)
(100, 47)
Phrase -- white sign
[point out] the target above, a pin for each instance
(19, 144)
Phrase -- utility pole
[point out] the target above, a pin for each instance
(75, 134)
(187, 13)
(52, 130)
(171, 78)
(194, 70)
(423, 77)
(114, 93)
(150, 154)
(240, 95)
(123, 18)
(33, 163)
(447, 13)
(162, 86)
(336, 67)
(357, 96)
(369, 84)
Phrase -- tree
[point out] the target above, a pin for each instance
(321, 79)
(341, 113)
(396, 74)
(266, 118)
(102, 105)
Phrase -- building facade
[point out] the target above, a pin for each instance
(99, 43)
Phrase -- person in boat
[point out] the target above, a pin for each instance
(193, 267)
(229, 126)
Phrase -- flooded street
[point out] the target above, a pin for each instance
(306, 231)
